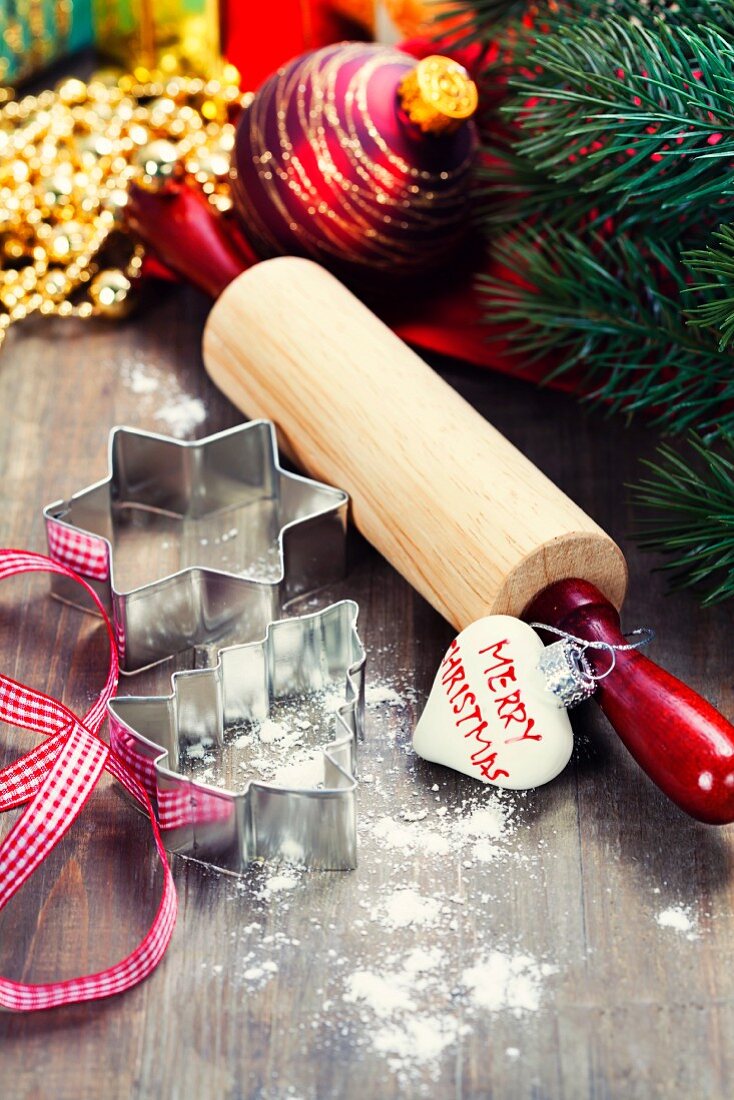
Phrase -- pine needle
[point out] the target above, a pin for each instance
(693, 515)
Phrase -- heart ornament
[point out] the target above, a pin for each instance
(490, 713)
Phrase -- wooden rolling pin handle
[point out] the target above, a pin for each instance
(683, 743)
(470, 522)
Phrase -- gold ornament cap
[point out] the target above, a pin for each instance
(438, 95)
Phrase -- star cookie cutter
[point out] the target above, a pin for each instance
(186, 542)
(312, 657)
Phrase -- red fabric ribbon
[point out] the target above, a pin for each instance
(56, 778)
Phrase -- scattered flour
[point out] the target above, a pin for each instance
(410, 837)
(481, 832)
(407, 907)
(383, 994)
(378, 695)
(428, 961)
(162, 397)
(286, 748)
(439, 973)
(182, 415)
(260, 974)
(401, 1011)
(420, 1041)
(489, 820)
(507, 982)
(679, 919)
(270, 731)
(279, 882)
(304, 769)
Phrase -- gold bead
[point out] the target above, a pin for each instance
(58, 187)
(72, 91)
(115, 202)
(110, 293)
(138, 135)
(212, 163)
(158, 160)
(55, 284)
(162, 105)
(66, 241)
(94, 146)
(67, 158)
(13, 248)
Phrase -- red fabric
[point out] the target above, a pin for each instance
(56, 778)
(450, 321)
(259, 38)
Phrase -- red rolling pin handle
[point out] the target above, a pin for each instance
(684, 744)
(178, 224)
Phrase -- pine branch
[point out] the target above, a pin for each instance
(597, 307)
(605, 178)
(512, 191)
(695, 516)
(715, 268)
(484, 20)
(642, 119)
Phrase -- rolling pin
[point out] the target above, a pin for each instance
(470, 522)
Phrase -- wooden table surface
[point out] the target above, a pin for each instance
(585, 950)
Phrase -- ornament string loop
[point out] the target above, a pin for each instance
(55, 779)
(566, 666)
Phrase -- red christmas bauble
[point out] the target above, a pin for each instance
(358, 157)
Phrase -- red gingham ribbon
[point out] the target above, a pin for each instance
(56, 779)
(77, 549)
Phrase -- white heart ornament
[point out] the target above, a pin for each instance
(490, 713)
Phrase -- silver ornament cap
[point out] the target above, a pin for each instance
(567, 673)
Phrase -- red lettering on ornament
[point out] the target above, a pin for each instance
(454, 677)
(470, 699)
(504, 678)
(510, 707)
(495, 651)
(526, 735)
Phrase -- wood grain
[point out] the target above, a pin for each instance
(459, 512)
(634, 1010)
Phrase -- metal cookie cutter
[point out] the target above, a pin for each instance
(188, 541)
(300, 691)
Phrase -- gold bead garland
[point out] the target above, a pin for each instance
(67, 158)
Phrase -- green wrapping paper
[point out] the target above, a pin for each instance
(35, 33)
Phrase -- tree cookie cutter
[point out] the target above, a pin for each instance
(300, 662)
(187, 542)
